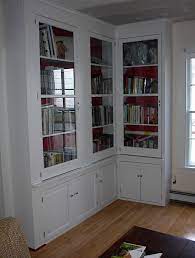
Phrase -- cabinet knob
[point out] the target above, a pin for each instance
(71, 195)
(101, 181)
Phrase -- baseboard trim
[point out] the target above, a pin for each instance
(183, 197)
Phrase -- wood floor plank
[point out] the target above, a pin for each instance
(96, 234)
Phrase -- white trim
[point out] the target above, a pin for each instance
(182, 197)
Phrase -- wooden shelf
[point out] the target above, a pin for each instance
(61, 133)
(57, 59)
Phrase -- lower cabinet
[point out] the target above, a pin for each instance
(82, 196)
(55, 211)
(106, 181)
(140, 182)
(67, 203)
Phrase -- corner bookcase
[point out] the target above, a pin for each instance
(89, 115)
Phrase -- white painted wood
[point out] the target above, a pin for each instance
(82, 196)
(129, 182)
(56, 214)
(107, 183)
(151, 184)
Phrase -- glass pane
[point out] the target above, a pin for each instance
(58, 115)
(102, 98)
(192, 126)
(58, 95)
(102, 138)
(140, 80)
(56, 42)
(59, 149)
(192, 152)
(101, 52)
(192, 98)
(101, 80)
(57, 78)
(192, 70)
(140, 53)
(141, 122)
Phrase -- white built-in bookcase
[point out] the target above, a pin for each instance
(77, 163)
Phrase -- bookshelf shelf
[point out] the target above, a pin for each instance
(101, 126)
(101, 65)
(139, 66)
(142, 133)
(57, 96)
(61, 133)
(101, 95)
(141, 95)
(156, 125)
(57, 59)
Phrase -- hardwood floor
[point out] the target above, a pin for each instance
(96, 234)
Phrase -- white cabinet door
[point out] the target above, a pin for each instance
(151, 184)
(129, 182)
(82, 196)
(107, 183)
(55, 210)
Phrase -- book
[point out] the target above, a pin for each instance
(135, 251)
(46, 38)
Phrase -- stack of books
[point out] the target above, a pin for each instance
(128, 250)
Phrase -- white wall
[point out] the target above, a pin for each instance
(183, 38)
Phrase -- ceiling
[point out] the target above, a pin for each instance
(122, 11)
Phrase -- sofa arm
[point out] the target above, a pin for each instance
(12, 240)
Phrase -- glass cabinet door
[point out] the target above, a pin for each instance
(102, 94)
(57, 95)
(140, 94)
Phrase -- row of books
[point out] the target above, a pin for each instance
(50, 84)
(47, 42)
(102, 142)
(100, 85)
(102, 115)
(139, 85)
(136, 114)
(141, 141)
(52, 158)
(55, 120)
